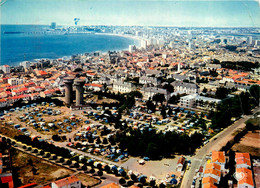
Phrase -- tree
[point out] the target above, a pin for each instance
(174, 99)
(107, 168)
(143, 180)
(85, 168)
(163, 112)
(221, 92)
(41, 152)
(152, 183)
(162, 185)
(105, 141)
(254, 91)
(92, 171)
(100, 173)
(122, 181)
(158, 97)
(150, 105)
(137, 94)
(169, 89)
(130, 183)
(133, 177)
(76, 165)
(170, 111)
(205, 90)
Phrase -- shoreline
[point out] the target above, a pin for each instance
(121, 35)
(135, 38)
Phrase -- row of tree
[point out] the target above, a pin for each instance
(235, 107)
(156, 145)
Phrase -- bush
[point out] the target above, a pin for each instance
(41, 152)
(24, 147)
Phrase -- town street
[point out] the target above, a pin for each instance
(215, 143)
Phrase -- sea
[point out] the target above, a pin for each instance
(20, 47)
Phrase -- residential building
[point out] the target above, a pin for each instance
(149, 92)
(111, 185)
(148, 80)
(6, 178)
(245, 179)
(15, 81)
(180, 163)
(219, 158)
(69, 182)
(123, 87)
(194, 100)
(183, 87)
(242, 160)
(5, 69)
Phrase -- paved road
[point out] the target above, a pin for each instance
(216, 143)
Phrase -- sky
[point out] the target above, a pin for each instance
(182, 13)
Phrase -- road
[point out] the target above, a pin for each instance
(215, 144)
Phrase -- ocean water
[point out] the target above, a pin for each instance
(16, 48)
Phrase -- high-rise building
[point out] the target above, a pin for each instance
(249, 40)
(53, 25)
(132, 48)
(5, 69)
(143, 43)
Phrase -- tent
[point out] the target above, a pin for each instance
(141, 161)
(173, 181)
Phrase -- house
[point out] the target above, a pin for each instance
(3, 103)
(214, 173)
(6, 178)
(94, 87)
(123, 87)
(149, 92)
(208, 180)
(69, 182)
(245, 179)
(183, 87)
(148, 80)
(242, 160)
(155, 73)
(219, 157)
(180, 163)
(35, 96)
(209, 185)
(111, 185)
(194, 100)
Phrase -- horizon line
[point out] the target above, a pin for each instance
(144, 26)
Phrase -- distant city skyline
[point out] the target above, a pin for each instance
(192, 13)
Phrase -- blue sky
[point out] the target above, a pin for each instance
(195, 13)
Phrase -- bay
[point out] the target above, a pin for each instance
(16, 48)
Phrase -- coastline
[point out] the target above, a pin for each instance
(135, 38)
(121, 35)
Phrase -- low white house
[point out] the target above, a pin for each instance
(69, 182)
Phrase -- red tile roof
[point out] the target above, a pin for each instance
(66, 181)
